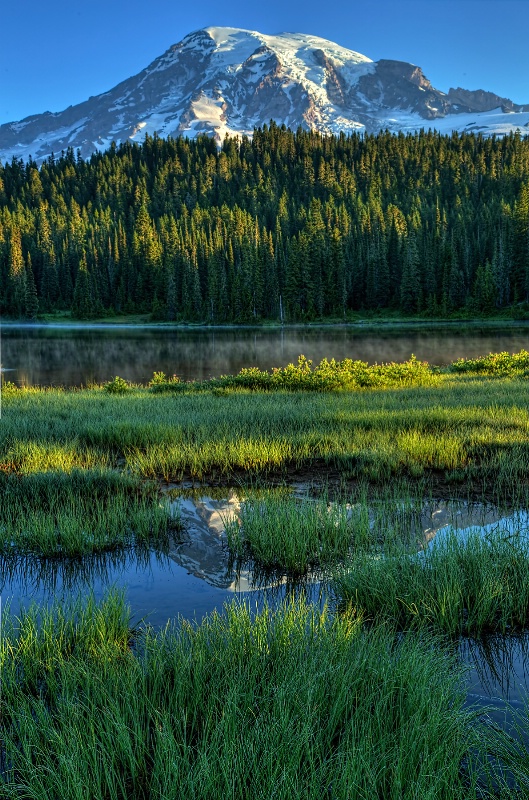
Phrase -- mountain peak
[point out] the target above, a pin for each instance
(221, 35)
(222, 80)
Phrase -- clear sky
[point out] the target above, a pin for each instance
(57, 53)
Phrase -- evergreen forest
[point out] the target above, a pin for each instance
(288, 226)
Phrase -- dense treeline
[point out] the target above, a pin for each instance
(289, 226)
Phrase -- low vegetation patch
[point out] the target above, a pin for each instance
(287, 704)
(325, 377)
(499, 364)
(76, 514)
(470, 586)
(117, 386)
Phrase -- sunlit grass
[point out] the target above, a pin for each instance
(470, 433)
(43, 456)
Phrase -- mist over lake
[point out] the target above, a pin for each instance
(80, 355)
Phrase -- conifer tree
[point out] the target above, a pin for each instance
(31, 304)
(16, 276)
(410, 287)
(83, 301)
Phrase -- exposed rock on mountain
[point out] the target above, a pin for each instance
(464, 100)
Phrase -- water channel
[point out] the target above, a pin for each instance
(195, 577)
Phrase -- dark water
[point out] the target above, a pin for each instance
(73, 356)
(156, 588)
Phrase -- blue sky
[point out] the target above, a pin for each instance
(59, 53)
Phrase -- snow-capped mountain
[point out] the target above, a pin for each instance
(227, 80)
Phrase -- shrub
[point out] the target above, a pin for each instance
(161, 379)
(334, 375)
(117, 386)
(8, 387)
(500, 364)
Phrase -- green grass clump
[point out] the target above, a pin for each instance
(31, 456)
(284, 533)
(467, 586)
(80, 513)
(512, 754)
(288, 704)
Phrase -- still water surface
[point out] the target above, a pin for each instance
(76, 355)
(195, 577)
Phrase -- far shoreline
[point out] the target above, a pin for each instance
(360, 325)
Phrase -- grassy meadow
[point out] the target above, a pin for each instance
(359, 701)
(459, 430)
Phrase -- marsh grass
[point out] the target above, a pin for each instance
(79, 513)
(467, 433)
(459, 586)
(511, 753)
(292, 535)
(289, 705)
(286, 704)
(277, 531)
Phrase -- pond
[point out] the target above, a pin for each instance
(191, 579)
(194, 577)
(79, 355)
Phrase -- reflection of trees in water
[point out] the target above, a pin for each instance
(500, 664)
(28, 576)
(272, 581)
(74, 356)
(271, 587)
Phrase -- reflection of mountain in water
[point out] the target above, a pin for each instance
(202, 549)
(441, 520)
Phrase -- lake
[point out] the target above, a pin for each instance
(78, 355)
